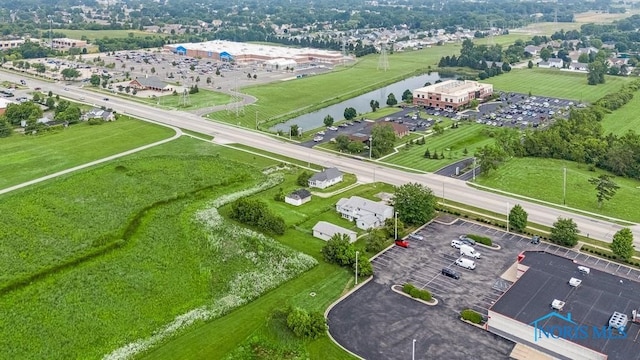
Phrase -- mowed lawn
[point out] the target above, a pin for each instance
(203, 98)
(468, 135)
(623, 119)
(316, 92)
(555, 83)
(24, 158)
(542, 179)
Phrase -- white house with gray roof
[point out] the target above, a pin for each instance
(326, 178)
(366, 213)
(324, 230)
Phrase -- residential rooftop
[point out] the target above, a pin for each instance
(592, 303)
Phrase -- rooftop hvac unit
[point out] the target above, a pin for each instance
(618, 321)
(557, 304)
(575, 282)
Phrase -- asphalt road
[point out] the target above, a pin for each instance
(443, 187)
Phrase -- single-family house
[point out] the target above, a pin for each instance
(98, 113)
(324, 230)
(150, 83)
(544, 64)
(556, 63)
(298, 197)
(578, 66)
(588, 50)
(325, 178)
(532, 49)
(366, 213)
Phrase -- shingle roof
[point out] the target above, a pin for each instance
(327, 174)
(331, 229)
(152, 82)
(358, 203)
(300, 194)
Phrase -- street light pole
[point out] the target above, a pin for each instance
(357, 252)
(370, 146)
(413, 350)
(507, 216)
(474, 169)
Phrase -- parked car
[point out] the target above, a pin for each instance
(466, 263)
(402, 243)
(450, 273)
(318, 138)
(416, 237)
(466, 240)
(332, 128)
(456, 244)
(535, 240)
(321, 133)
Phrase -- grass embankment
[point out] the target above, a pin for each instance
(452, 144)
(623, 119)
(543, 179)
(283, 100)
(24, 157)
(202, 99)
(555, 83)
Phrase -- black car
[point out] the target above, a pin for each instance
(450, 273)
(467, 240)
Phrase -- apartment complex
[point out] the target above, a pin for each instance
(451, 94)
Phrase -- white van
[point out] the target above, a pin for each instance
(469, 251)
(466, 263)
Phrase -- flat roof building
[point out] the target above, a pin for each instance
(67, 43)
(451, 94)
(222, 50)
(10, 43)
(569, 311)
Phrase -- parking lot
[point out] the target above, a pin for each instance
(374, 322)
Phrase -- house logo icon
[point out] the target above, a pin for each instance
(539, 329)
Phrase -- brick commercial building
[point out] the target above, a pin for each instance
(451, 94)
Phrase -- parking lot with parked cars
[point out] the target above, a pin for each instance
(375, 322)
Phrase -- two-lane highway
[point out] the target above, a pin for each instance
(448, 188)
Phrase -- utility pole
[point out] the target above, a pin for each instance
(357, 252)
(507, 216)
(395, 233)
(370, 147)
(564, 187)
(474, 169)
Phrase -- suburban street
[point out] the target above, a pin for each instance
(443, 187)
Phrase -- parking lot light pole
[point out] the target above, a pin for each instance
(507, 216)
(564, 187)
(370, 146)
(357, 252)
(395, 233)
(413, 350)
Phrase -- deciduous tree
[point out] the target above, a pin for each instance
(383, 138)
(518, 218)
(391, 100)
(565, 232)
(350, 113)
(328, 120)
(415, 203)
(622, 244)
(605, 188)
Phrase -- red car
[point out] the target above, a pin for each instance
(402, 243)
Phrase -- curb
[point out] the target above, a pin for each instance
(483, 327)
(434, 303)
(326, 313)
(493, 247)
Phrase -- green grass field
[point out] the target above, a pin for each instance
(555, 83)
(162, 263)
(468, 135)
(316, 92)
(99, 34)
(623, 119)
(542, 179)
(202, 99)
(24, 158)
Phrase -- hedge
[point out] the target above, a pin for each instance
(606, 254)
(414, 292)
(480, 239)
(472, 316)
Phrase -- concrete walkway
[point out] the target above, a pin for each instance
(92, 163)
(330, 194)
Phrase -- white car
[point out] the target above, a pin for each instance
(321, 133)
(318, 138)
(332, 128)
(456, 244)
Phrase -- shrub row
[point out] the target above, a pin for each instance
(480, 239)
(606, 254)
(414, 292)
(472, 316)
(256, 213)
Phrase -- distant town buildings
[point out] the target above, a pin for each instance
(10, 43)
(68, 43)
(451, 94)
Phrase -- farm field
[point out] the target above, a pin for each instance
(99, 34)
(275, 100)
(156, 255)
(24, 158)
(555, 83)
(468, 136)
(542, 179)
(623, 119)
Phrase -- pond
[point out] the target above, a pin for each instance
(315, 119)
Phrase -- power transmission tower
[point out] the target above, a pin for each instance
(383, 61)
(491, 40)
(344, 50)
(237, 99)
